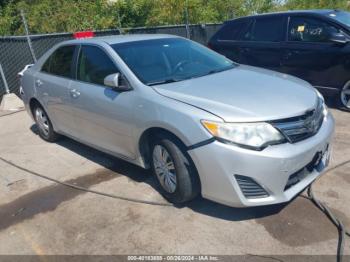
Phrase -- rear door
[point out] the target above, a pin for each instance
(310, 55)
(260, 43)
(52, 84)
(103, 115)
(226, 41)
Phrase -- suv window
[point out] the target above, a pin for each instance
(304, 29)
(265, 29)
(230, 31)
(94, 65)
(60, 62)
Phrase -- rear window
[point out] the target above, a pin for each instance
(231, 30)
(265, 29)
(60, 62)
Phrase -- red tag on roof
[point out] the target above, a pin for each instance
(84, 34)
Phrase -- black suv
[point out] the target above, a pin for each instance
(312, 45)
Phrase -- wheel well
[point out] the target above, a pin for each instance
(32, 103)
(146, 139)
(145, 143)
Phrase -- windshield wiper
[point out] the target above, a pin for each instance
(165, 81)
(172, 80)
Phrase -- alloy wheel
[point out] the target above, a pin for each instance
(345, 96)
(164, 168)
(42, 121)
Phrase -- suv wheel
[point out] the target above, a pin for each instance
(175, 172)
(345, 97)
(44, 125)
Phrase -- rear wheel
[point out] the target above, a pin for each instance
(344, 99)
(175, 172)
(44, 125)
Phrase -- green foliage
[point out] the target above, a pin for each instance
(46, 16)
(317, 4)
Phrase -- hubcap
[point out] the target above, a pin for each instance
(164, 168)
(42, 121)
(345, 96)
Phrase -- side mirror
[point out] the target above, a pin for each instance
(116, 82)
(338, 38)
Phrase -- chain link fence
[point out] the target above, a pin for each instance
(15, 52)
(200, 33)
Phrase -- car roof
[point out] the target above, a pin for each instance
(295, 12)
(116, 39)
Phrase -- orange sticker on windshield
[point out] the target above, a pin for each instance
(301, 28)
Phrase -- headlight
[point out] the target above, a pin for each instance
(322, 103)
(255, 136)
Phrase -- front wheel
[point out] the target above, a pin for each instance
(175, 172)
(344, 99)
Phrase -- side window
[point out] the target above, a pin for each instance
(265, 29)
(46, 66)
(94, 65)
(60, 62)
(302, 29)
(230, 31)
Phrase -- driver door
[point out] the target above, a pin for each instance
(103, 115)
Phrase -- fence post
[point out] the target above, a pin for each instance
(7, 90)
(121, 31)
(188, 33)
(27, 35)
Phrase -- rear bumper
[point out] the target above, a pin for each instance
(218, 163)
(25, 100)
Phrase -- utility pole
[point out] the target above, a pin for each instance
(120, 22)
(27, 35)
(188, 33)
(7, 90)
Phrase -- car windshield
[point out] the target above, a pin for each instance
(166, 60)
(341, 16)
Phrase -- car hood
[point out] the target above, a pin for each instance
(245, 94)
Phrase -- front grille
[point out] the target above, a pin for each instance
(296, 178)
(250, 188)
(302, 127)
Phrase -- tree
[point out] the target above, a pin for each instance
(47, 16)
(317, 4)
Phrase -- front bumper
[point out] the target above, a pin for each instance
(218, 163)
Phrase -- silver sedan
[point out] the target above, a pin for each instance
(235, 134)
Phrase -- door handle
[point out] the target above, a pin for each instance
(74, 93)
(287, 55)
(38, 83)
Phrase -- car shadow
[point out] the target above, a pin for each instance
(140, 175)
(109, 162)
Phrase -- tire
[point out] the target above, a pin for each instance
(44, 125)
(344, 97)
(187, 185)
